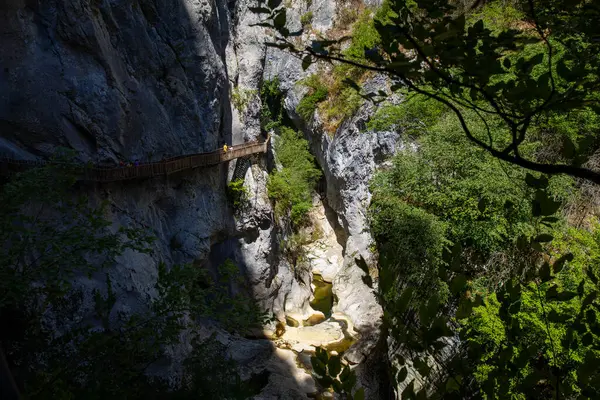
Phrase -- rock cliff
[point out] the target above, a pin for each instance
(120, 80)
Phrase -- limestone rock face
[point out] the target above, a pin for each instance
(349, 159)
(121, 80)
(114, 79)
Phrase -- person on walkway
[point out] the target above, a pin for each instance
(137, 163)
(225, 148)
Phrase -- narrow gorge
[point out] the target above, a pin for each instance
(299, 199)
(145, 80)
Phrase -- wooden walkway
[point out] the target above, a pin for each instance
(166, 167)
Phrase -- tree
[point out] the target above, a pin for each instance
(510, 81)
(544, 64)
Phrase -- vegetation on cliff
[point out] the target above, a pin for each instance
(290, 184)
(488, 270)
(62, 341)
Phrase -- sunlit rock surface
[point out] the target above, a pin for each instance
(121, 80)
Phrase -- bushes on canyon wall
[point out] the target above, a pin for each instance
(291, 186)
(328, 91)
(60, 340)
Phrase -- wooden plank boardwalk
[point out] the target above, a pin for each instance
(165, 167)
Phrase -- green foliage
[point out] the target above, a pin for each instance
(517, 62)
(210, 374)
(555, 326)
(240, 98)
(50, 235)
(306, 18)
(336, 99)
(521, 81)
(333, 372)
(237, 193)
(415, 116)
(410, 242)
(59, 348)
(317, 93)
(364, 36)
(291, 186)
(272, 113)
(498, 16)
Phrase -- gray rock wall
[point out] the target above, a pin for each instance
(114, 78)
(125, 80)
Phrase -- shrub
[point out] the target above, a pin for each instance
(335, 99)
(240, 98)
(306, 18)
(414, 116)
(272, 104)
(291, 186)
(237, 193)
(410, 242)
(317, 93)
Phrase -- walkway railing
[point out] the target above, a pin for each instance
(145, 170)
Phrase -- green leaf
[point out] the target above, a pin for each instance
(400, 359)
(345, 373)
(360, 394)
(591, 316)
(322, 355)
(560, 263)
(522, 242)
(279, 20)
(337, 386)
(404, 299)
(452, 385)
(458, 284)
(409, 391)
(351, 83)
(465, 308)
(536, 246)
(563, 70)
(554, 316)
(482, 205)
(566, 295)
(568, 149)
(544, 238)
(589, 299)
(422, 366)
(349, 382)
(334, 366)
(318, 366)
(547, 206)
(545, 273)
(591, 275)
(325, 381)
(536, 183)
(259, 10)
